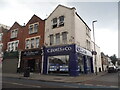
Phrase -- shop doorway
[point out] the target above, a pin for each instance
(31, 64)
(58, 64)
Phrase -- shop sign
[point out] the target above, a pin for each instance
(31, 53)
(59, 49)
(83, 51)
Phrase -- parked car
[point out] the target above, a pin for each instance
(112, 69)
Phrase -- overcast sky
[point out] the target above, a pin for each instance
(106, 14)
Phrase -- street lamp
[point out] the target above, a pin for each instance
(94, 52)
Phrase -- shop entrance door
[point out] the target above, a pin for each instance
(31, 64)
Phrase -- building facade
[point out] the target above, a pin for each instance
(12, 48)
(3, 31)
(31, 55)
(67, 43)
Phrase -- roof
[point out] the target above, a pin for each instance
(60, 6)
(83, 21)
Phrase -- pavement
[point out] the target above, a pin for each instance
(55, 78)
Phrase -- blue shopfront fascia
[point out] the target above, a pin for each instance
(70, 50)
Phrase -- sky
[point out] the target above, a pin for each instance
(104, 11)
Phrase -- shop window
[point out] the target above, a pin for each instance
(51, 39)
(61, 21)
(59, 63)
(64, 37)
(58, 39)
(54, 23)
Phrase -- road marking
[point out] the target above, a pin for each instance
(23, 84)
(98, 85)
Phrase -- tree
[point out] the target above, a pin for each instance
(113, 58)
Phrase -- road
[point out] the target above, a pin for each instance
(22, 83)
(109, 79)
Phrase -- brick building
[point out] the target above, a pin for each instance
(32, 43)
(13, 45)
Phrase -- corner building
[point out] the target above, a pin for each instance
(67, 43)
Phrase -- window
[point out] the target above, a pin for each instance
(16, 45)
(64, 37)
(57, 39)
(27, 44)
(32, 43)
(61, 21)
(14, 33)
(51, 39)
(88, 44)
(37, 42)
(1, 48)
(54, 22)
(87, 31)
(35, 28)
(1, 37)
(30, 29)
(13, 46)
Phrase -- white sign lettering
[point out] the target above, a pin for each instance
(59, 49)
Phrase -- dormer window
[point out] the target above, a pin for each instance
(61, 21)
(33, 28)
(14, 33)
(54, 22)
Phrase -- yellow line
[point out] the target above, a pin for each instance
(23, 84)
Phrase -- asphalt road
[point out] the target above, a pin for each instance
(22, 83)
(109, 79)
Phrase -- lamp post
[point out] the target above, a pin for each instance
(94, 52)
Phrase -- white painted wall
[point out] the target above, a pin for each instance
(68, 24)
(98, 57)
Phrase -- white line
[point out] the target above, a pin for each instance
(23, 84)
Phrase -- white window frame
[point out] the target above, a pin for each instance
(64, 39)
(14, 33)
(30, 43)
(57, 39)
(1, 36)
(12, 48)
(34, 28)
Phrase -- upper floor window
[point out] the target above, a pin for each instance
(33, 28)
(87, 31)
(88, 44)
(51, 39)
(64, 37)
(37, 42)
(27, 44)
(13, 46)
(33, 43)
(58, 39)
(61, 21)
(1, 37)
(54, 22)
(1, 48)
(14, 33)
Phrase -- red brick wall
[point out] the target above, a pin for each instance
(41, 28)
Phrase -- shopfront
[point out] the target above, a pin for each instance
(31, 59)
(70, 59)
